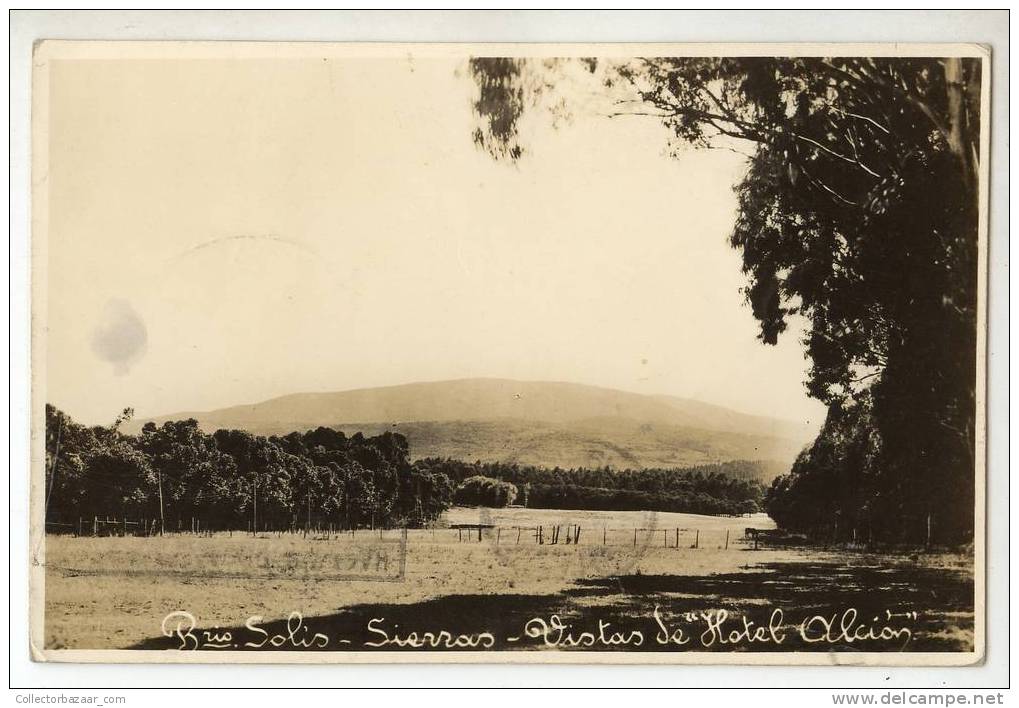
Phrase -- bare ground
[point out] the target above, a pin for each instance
(116, 592)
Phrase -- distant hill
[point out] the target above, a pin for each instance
(529, 422)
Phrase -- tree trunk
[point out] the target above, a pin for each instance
(959, 139)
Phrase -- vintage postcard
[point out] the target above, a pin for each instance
(509, 353)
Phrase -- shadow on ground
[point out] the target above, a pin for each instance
(942, 599)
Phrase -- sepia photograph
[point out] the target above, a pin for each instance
(602, 353)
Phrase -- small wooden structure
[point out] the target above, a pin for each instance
(470, 528)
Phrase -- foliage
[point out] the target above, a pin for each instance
(485, 491)
(709, 489)
(231, 478)
(858, 213)
(835, 488)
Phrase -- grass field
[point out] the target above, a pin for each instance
(115, 592)
(618, 521)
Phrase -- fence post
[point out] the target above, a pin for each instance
(677, 538)
(95, 525)
(697, 539)
(603, 532)
(498, 535)
(727, 539)
(576, 535)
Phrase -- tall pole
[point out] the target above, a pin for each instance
(254, 505)
(162, 519)
(307, 526)
(53, 470)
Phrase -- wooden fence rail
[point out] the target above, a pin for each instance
(542, 534)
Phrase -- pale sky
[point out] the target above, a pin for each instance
(226, 231)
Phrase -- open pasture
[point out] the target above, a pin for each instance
(595, 521)
(113, 592)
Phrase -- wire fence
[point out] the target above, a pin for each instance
(568, 534)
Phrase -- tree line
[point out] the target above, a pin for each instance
(233, 479)
(723, 488)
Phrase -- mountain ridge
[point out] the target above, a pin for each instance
(531, 422)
